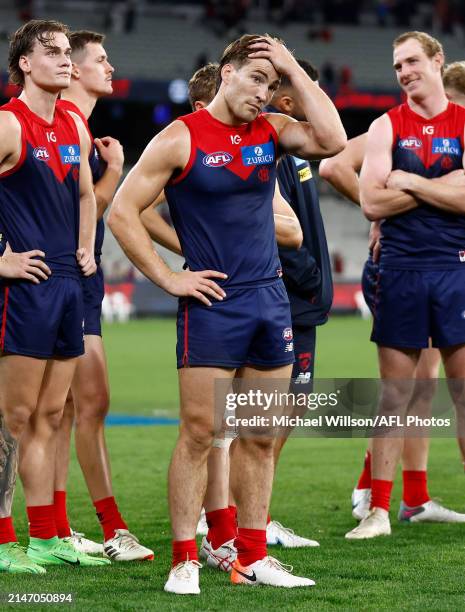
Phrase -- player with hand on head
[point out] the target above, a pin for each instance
(222, 211)
(88, 401)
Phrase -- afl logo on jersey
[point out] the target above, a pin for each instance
(410, 143)
(217, 159)
(41, 154)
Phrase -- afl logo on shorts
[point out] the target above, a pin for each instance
(287, 334)
(41, 154)
(217, 159)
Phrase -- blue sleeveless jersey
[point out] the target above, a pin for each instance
(97, 171)
(221, 203)
(426, 237)
(39, 197)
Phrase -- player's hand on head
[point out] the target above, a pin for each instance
(111, 151)
(276, 52)
(197, 284)
(24, 265)
(86, 261)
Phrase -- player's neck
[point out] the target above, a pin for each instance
(430, 106)
(81, 98)
(40, 102)
(221, 111)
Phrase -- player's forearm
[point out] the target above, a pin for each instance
(320, 112)
(288, 231)
(87, 222)
(160, 231)
(342, 177)
(439, 194)
(105, 188)
(380, 203)
(136, 244)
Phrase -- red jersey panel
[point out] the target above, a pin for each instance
(426, 237)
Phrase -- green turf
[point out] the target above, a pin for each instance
(418, 567)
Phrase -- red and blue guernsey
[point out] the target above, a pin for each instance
(426, 237)
(221, 203)
(96, 169)
(39, 196)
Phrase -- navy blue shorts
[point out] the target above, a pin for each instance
(93, 288)
(44, 320)
(413, 305)
(369, 282)
(251, 326)
(304, 349)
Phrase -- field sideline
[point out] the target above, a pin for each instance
(419, 566)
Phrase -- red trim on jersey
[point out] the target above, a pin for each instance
(185, 357)
(190, 161)
(70, 106)
(5, 308)
(274, 133)
(22, 156)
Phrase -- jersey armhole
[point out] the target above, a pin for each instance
(393, 132)
(22, 155)
(190, 162)
(274, 135)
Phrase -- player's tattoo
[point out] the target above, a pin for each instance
(8, 469)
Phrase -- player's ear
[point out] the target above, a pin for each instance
(283, 103)
(24, 64)
(226, 73)
(438, 59)
(75, 72)
(198, 104)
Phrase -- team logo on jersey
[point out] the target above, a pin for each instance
(41, 154)
(446, 146)
(264, 175)
(70, 154)
(287, 334)
(258, 154)
(410, 143)
(217, 159)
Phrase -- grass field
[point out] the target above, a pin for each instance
(418, 567)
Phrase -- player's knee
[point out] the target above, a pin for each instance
(16, 420)
(258, 445)
(198, 434)
(92, 408)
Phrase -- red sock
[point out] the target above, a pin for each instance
(251, 545)
(221, 528)
(364, 482)
(42, 522)
(381, 493)
(184, 550)
(109, 517)
(7, 531)
(233, 511)
(415, 487)
(61, 516)
(268, 519)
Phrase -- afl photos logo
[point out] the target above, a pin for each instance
(41, 154)
(217, 159)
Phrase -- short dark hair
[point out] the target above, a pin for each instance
(79, 39)
(309, 68)
(23, 40)
(202, 86)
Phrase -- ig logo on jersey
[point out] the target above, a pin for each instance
(41, 154)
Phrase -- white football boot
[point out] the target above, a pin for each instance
(84, 545)
(375, 524)
(278, 534)
(202, 527)
(429, 512)
(361, 499)
(268, 571)
(183, 579)
(124, 546)
(222, 558)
